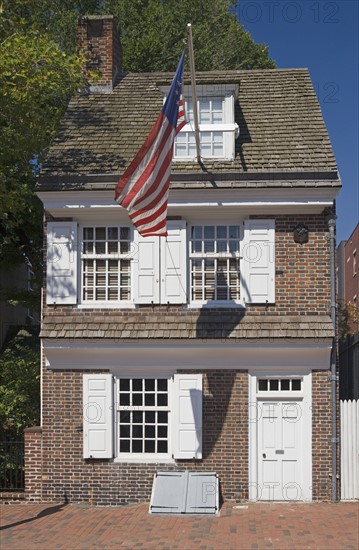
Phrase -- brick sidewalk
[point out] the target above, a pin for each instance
(252, 526)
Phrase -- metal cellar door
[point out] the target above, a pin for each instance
(184, 493)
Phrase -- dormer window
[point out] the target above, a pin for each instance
(217, 126)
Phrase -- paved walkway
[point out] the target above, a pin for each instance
(252, 526)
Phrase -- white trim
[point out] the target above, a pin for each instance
(143, 460)
(106, 305)
(86, 204)
(217, 304)
(162, 356)
(306, 398)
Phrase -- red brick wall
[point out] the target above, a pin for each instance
(66, 475)
(33, 463)
(321, 437)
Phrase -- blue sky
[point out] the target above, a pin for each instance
(323, 36)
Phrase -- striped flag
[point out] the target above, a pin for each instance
(143, 188)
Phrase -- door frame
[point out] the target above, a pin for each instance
(253, 400)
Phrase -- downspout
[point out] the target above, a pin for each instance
(333, 360)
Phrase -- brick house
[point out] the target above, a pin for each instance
(207, 350)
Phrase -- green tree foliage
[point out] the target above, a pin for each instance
(19, 385)
(152, 33)
(37, 79)
(348, 319)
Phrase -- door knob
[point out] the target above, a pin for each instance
(264, 455)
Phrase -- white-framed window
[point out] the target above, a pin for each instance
(105, 263)
(143, 417)
(218, 130)
(215, 263)
(268, 385)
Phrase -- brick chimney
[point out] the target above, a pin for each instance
(98, 38)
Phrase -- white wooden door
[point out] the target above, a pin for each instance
(280, 450)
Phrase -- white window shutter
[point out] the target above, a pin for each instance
(187, 425)
(61, 275)
(258, 261)
(98, 415)
(146, 263)
(174, 264)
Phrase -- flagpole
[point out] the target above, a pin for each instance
(194, 93)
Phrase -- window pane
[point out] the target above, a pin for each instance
(125, 233)
(296, 385)
(284, 384)
(162, 447)
(124, 399)
(150, 446)
(100, 233)
(221, 232)
(100, 248)
(162, 417)
(150, 399)
(150, 431)
(197, 232)
(137, 384)
(162, 399)
(124, 446)
(161, 431)
(88, 233)
(125, 431)
(273, 385)
(87, 248)
(137, 417)
(209, 232)
(196, 246)
(125, 416)
(262, 385)
(112, 233)
(137, 431)
(137, 446)
(150, 417)
(162, 384)
(137, 399)
(150, 385)
(208, 246)
(124, 385)
(113, 247)
(221, 246)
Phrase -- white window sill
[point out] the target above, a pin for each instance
(217, 304)
(106, 305)
(144, 460)
(225, 158)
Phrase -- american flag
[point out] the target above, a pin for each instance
(143, 188)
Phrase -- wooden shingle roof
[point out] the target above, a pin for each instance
(281, 128)
(190, 325)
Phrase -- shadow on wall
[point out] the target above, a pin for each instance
(217, 325)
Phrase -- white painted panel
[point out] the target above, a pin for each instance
(98, 415)
(146, 268)
(187, 425)
(290, 488)
(174, 263)
(349, 418)
(61, 273)
(258, 261)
